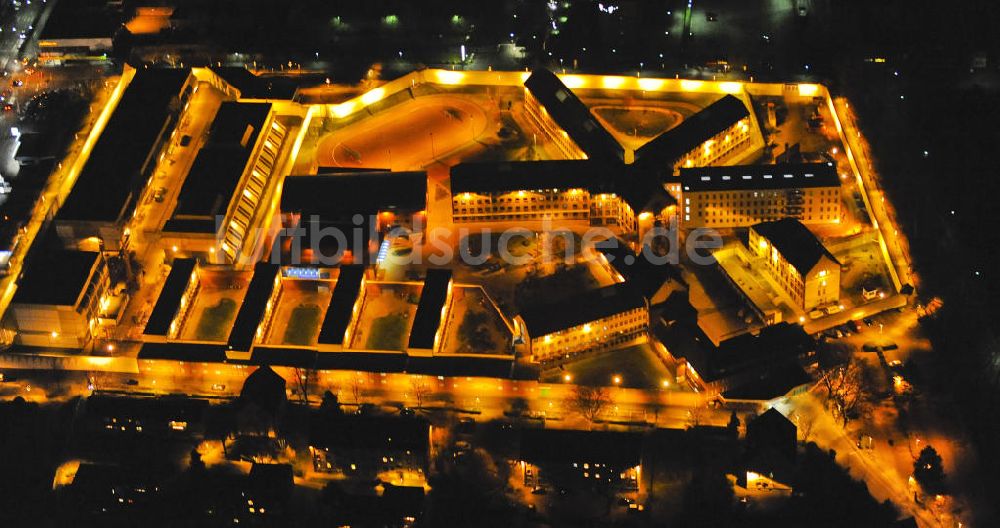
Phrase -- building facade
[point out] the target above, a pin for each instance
(797, 261)
(740, 196)
(593, 321)
(597, 209)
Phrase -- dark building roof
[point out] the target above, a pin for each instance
(254, 305)
(55, 277)
(506, 176)
(187, 352)
(16, 210)
(341, 308)
(154, 413)
(333, 196)
(314, 241)
(574, 117)
(265, 388)
(107, 188)
(744, 354)
(669, 146)
(795, 242)
(256, 87)
(771, 430)
(460, 366)
(283, 356)
(638, 270)
(428, 316)
(169, 300)
(271, 482)
(215, 174)
(376, 433)
(387, 362)
(32, 146)
(81, 19)
(772, 382)
(584, 307)
(763, 177)
(640, 188)
(562, 446)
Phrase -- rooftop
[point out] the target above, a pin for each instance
(637, 269)
(429, 310)
(341, 195)
(219, 165)
(669, 146)
(169, 300)
(81, 19)
(795, 242)
(105, 190)
(378, 433)
(338, 314)
(56, 277)
(254, 306)
(581, 308)
(187, 352)
(638, 187)
(561, 446)
(742, 355)
(762, 177)
(574, 117)
(258, 87)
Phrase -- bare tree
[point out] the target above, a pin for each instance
(805, 419)
(420, 390)
(589, 402)
(356, 386)
(845, 389)
(303, 378)
(697, 415)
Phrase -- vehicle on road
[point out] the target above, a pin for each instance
(219, 387)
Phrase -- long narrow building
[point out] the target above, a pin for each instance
(546, 97)
(740, 196)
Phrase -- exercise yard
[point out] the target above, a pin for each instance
(214, 308)
(385, 316)
(300, 312)
(303, 325)
(636, 366)
(215, 321)
(474, 326)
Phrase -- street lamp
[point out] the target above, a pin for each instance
(567, 377)
(617, 379)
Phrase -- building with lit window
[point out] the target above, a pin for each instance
(226, 192)
(580, 459)
(740, 196)
(103, 201)
(366, 446)
(324, 213)
(174, 302)
(557, 111)
(591, 321)
(797, 261)
(719, 134)
(588, 192)
(60, 300)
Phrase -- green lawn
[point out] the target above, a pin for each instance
(387, 333)
(302, 325)
(637, 365)
(215, 321)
